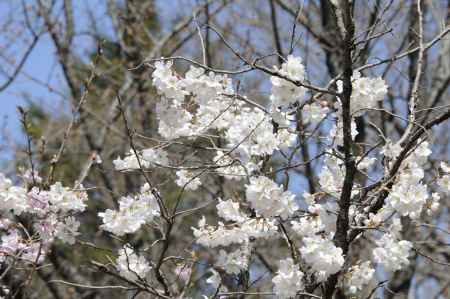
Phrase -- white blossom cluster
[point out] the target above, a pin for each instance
(268, 199)
(197, 102)
(284, 92)
(188, 179)
(50, 212)
(134, 211)
(236, 233)
(322, 255)
(366, 93)
(147, 158)
(131, 265)
(392, 254)
(314, 113)
(240, 231)
(288, 280)
(235, 261)
(409, 194)
(332, 175)
(358, 276)
(321, 218)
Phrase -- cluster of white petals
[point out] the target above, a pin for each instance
(321, 219)
(358, 276)
(188, 179)
(409, 195)
(134, 211)
(366, 93)
(232, 167)
(284, 92)
(193, 104)
(236, 233)
(314, 113)
(49, 211)
(233, 262)
(67, 230)
(131, 265)
(392, 254)
(268, 199)
(288, 280)
(322, 255)
(252, 132)
(391, 149)
(147, 158)
(336, 133)
(229, 211)
(331, 176)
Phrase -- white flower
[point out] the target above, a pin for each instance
(313, 113)
(229, 168)
(155, 155)
(286, 139)
(166, 82)
(392, 254)
(11, 243)
(12, 197)
(252, 132)
(366, 162)
(130, 162)
(336, 132)
(174, 121)
(289, 279)
(210, 236)
(322, 255)
(366, 93)
(309, 198)
(320, 220)
(408, 195)
(444, 166)
(65, 199)
(188, 179)
(147, 157)
(131, 265)
(332, 175)
(268, 199)
(358, 276)
(132, 214)
(433, 206)
(391, 150)
(233, 262)
(381, 216)
(47, 212)
(67, 231)
(229, 210)
(285, 93)
(191, 105)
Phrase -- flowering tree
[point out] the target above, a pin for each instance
(218, 212)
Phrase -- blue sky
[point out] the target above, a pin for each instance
(40, 69)
(42, 65)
